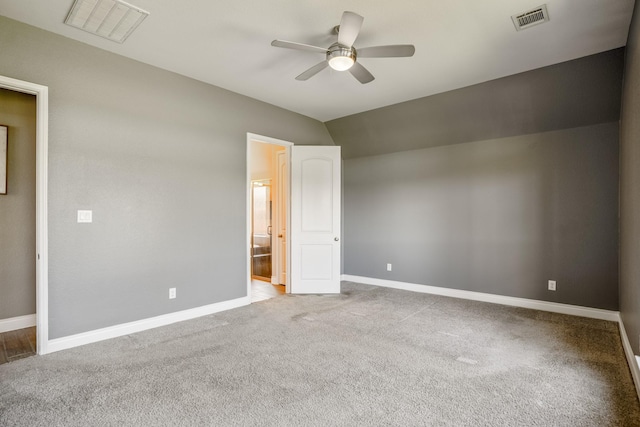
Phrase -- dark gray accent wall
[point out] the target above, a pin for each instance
(500, 216)
(18, 207)
(630, 187)
(576, 93)
(161, 161)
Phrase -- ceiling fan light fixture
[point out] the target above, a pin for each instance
(341, 58)
(341, 63)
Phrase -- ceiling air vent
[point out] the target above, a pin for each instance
(112, 19)
(530, 18)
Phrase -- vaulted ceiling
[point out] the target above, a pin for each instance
(582, 92)
(458, 43)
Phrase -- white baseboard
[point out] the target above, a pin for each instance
(554, 307)
(632, 359)
(142, 325)
(19, 322)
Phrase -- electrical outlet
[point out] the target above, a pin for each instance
(172, 293)
(388, 267)
(552, 285)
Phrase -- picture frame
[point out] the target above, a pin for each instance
(4, 158)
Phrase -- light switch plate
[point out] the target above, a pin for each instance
(85, 216)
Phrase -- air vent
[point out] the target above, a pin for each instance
(530, 18)
(112, 19)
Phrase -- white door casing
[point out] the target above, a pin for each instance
(281, 186)
(315, 219)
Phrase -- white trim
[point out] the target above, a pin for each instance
(143, 325)
(632, 359)
(42, 230)
(554, 307)
(18, 322)
(254, 137)
(267, 140)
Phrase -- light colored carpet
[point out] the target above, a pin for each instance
(370, 356)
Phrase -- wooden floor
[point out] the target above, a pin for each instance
(261, 291)
(17, 344)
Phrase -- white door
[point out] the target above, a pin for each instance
(315, 220)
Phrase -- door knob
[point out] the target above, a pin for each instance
(336, 238)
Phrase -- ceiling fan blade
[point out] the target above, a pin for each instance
(391, 51)
(362, 74)
(313, 71)
(298, 46)
(349, 28)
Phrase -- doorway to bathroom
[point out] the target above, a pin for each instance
(261, 230)
(268, 194)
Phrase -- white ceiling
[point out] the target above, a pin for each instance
(458, 43)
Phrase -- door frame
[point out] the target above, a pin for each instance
(42, 227)
(252, 137)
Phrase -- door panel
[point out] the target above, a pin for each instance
(315, 219)
(315, 262)
(317, 195)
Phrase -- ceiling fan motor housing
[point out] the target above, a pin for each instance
(341, 57)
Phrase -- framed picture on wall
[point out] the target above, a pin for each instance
(4, 146)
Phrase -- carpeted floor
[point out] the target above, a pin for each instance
(370, 356)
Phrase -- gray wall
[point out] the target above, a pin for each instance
(18, 207)
(501, 216)
(571, 94)
(630, 188)
(161, 161)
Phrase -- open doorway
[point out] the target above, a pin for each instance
(17, 225)
(267, 216)
(41, 252)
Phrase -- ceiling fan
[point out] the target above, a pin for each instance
(342, 55)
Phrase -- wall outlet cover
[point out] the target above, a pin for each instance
(172, 293)
(552, 285)
(85, 216)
